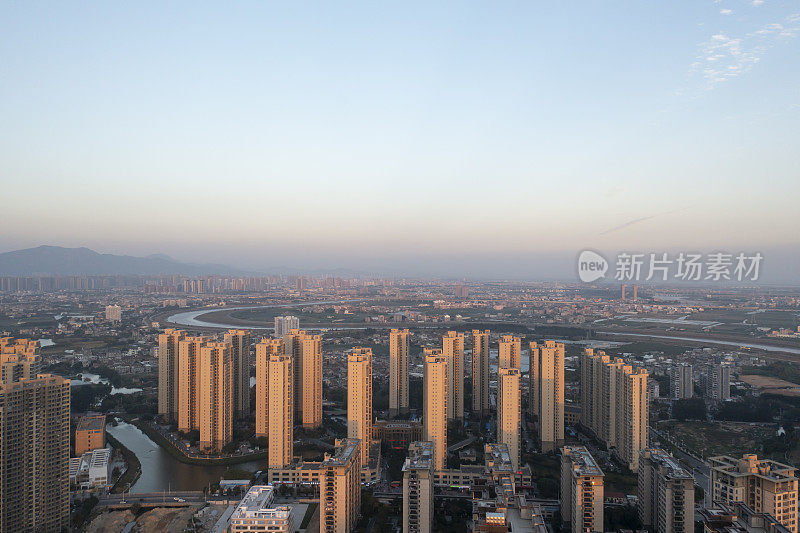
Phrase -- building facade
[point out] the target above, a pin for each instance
(280, 402)
(306, 352)
(509, 411)
(763, 485)
(359, 400)
(168, 373)
(90, 434)
(264, 350)
(453, 352)
(239, 339)
(34, 454)
(340, 488)
(418, 488)
(581, 490)
(215, 396)
(434, 403)
(480, 372)
(399, 353)
(681, 386)
(510, 352)
(665, 493)
(547, 393)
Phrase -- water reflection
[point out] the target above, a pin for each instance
(161, 471)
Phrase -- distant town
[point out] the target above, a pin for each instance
(316, 403)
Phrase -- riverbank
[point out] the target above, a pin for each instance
(179, 455)
(133, 470)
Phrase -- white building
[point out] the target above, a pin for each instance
(682, 387)
(91, 470)
(256, 512)
(285, 324)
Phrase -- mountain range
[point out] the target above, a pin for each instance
(57, 260)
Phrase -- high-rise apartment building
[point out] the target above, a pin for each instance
(765, 486)
(34, 454)
(189, 386)
(480, 372)
(168, 373)
(434, 403)
(285, 324)
(215, 401)
(264, 350)
(418, 488)
(239, 339)
(453, 352)
(359, 400)
(547, 393)
(581, 490)
(665, 493)
(399, 353)
(614, 405)
(510, 352)
(306, 351)
(19, 359)
(340, 488)
(719, 379)
(280, 402)
(113, 313)
(681, 382)
(509, 411)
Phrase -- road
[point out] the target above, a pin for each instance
(152, 498)
(700, 469)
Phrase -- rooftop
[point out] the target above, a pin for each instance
(420, 456)
(92, 423)
(583, 463)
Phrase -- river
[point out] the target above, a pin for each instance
(190, 318)
(161, 471)
(766, 347)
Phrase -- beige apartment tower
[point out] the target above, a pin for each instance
(510, 352)
(547, 393)
(453, 352)
(359, 400)
(19, 359)
(280, 400)
(665, 493)
(189, 382)
(340, 488)
(509, 412)
(480, 372)
(434, 403)
(399, 352)
(614, 405)
(264, 350)
(34, 455)
(418, 488)
(765, 486)
(306, 351)
(239, 340)
(581, 490)
(215, 396)
(168, 373)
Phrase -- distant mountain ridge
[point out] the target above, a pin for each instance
(60, 261)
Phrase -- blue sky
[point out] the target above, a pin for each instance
(368, 134)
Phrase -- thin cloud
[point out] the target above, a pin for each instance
(640, 219)
(724, 57)
(725, 11)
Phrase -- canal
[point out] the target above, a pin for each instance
(161, 471)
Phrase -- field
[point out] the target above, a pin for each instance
(719, 438)
(770, 385)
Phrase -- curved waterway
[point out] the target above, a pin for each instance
(766, 347)
(191, 318)
(161, 471)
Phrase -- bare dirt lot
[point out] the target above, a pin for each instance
(772, 385)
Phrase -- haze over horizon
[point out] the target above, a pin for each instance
(485, 141)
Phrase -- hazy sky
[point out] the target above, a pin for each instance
(345, 134)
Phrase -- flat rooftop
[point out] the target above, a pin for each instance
(582, 461)
(92, 423)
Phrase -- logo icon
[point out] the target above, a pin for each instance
(591, 266)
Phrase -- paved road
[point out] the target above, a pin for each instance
(700, 469)
(462, 444)
(152, 498)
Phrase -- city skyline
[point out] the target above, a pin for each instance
(651, 128)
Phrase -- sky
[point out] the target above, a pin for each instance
(485, 139)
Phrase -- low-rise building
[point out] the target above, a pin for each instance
(90, 434)
(257, 512)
